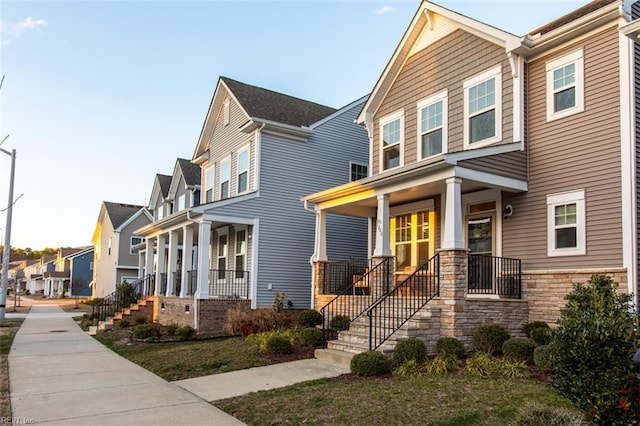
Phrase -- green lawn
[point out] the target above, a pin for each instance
(453, 399)
(8, 329)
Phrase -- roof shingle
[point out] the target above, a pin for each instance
(190, 172)
(119, 213)
(571, 16)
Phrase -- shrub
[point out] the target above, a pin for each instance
(139, 319)
(443, 364)
(172, 327)
(371, 363)
(123, 323)
(481, 364)
(450, 346)
(408, 349)
(245, 322)
(410, 368)
(262, 338)
(541, 336)
(340, 322)
(592, 351)
(489, 338)
(513, 369)
(145, 331)
(125, 294)
(309, 318)
(542, 357)
(530, 326)
(310, 336)
(279, 345)
(536, 414)
(519, 349)
(279, 301)
(185, 332)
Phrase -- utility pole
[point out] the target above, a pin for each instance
(7, 237)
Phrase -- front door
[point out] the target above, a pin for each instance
(480, 241)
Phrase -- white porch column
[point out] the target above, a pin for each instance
(204, 243)
(160, 266)
(383, 242)
(320, 249)
(452, 237)
(187, 259)
(140, 263)
(148, 263)
(172, 262)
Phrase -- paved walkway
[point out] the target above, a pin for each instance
(60, 375)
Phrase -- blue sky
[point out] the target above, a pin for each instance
(99, 96)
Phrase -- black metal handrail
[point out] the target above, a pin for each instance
(163, 284)
(337, 276)
(125, 295)
(398, 306)
(177, 283)
(228, 284)
(494, 275)
(362, 297)
(192, 280)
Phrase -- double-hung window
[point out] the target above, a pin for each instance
(565, 86)
(243, 170)
(432, 126)
(181, 202)
(209, 175)
(391, 136)
(566, 224)
(483, 109)
(225, 175)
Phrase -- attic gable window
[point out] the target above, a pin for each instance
(391, 135)
(483, 109)
(565, 86)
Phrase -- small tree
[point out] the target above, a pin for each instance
(592, 351)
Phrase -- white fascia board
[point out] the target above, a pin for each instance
(338, 112)
(175, 181)
(494, 181)
(228, 219)
(133, 217)
(280, 129)
(212, 206)
(632, 30)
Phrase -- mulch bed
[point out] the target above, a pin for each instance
(299, 352)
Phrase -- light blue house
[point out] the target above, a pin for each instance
(249, 238)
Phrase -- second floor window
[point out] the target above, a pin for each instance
(432, 116)
(225, 175)
(208, 184)
(483, 113)
(135, 241)
(391, 137)
(565, 86)
(243, 170)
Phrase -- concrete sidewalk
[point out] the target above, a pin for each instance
(60, 375)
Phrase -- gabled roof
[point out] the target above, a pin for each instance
(571, 16)
(260, 106)
(190, 171)
(68, 251)
(164, 182)
(119, 213)
(161, 184)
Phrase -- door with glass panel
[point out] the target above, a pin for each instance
(480, 242)
(410, 240)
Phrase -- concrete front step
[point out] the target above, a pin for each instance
(334, 356)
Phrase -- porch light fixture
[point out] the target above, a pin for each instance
(507, 211)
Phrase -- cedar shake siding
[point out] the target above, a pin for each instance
(443, 65)
(581, 151)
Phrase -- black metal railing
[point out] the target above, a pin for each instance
(192, 282)
(494, 275)
(125, 295)
(338, 277)
(163, 284)
(360, 288)
(228, 284)
(177, 283)
(390, 312)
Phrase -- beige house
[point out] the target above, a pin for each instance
(115, 259)
(502, 171)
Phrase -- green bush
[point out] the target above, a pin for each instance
(340, 322)
(139, 319)
(519, 349)
(542, 357)
(371, 363)
(262, 338)
(309, 318)
(541, 336)
(279, 345)
(145, 331)
(410, 369)
(513, 369)
(443, 364)
(125, 295)
(450, 346)
(530, 326)
(310, 336)
(185, 332)
(172, 328)
(408, 349)
(123, 323)
(482, 364)
(592, 351)
(489, 338)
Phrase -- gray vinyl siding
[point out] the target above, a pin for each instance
(581, 151)
(290, 170)
(446, 64)
(180, 190)
(511, 165)
(635, 13)
(124, 255)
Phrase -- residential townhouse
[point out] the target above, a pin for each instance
(247, 240)
(71, 271)
(35, 275)
(115, 260)
(503, 171)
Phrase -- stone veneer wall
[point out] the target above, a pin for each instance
(545, 290)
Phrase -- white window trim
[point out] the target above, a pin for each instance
(246, 246)
(246, 148)
(357, 163)
(386, 120)
(203, 195)
(440, 97)
(131, 243)
(182, 199)
(225, 112)
(577, 197)
(576, 57)
(223, 161)
(496, 73)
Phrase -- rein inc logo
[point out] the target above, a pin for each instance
(16, 421)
